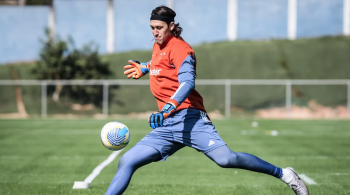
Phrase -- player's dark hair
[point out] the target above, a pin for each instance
(166, 11)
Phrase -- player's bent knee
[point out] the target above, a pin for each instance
(223, 162)
(126, 161)
(121, 163)
(228, 161)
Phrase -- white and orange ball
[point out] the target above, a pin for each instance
(115, 135)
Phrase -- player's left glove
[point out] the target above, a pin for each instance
(156, 119)
(136, 69)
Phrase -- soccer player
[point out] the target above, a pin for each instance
(182, 120)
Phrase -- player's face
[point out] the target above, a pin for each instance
(161, 31)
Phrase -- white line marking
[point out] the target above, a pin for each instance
(99, 168)
(307, 179)
(341, 173)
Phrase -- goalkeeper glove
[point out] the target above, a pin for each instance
(156, 119)
(135, 69)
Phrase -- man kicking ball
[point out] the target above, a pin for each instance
(182, 120)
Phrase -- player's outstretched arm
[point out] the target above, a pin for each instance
(136, 69)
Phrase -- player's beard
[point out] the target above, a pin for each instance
(159, 40)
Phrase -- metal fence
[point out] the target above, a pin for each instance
(226, 82)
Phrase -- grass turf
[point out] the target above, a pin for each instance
(47, 156)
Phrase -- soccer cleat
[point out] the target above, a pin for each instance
(297, 185)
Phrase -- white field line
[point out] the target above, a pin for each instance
(307, 179)
(341, 173)
(99, 168)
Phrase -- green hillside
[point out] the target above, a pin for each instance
(319, 58)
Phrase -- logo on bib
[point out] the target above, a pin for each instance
(155, 71)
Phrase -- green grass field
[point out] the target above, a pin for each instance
(47, 156)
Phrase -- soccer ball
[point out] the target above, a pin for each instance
(115, 135)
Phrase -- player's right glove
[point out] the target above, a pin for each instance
(135, 69)
(157, 118)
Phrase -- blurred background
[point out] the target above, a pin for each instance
(268, 59)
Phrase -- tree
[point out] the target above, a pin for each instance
(60, 60)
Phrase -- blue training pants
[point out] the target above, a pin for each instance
(187, 127)
(141, 155)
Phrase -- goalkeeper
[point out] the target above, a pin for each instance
(182, 120)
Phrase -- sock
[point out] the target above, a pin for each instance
(287, 175)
